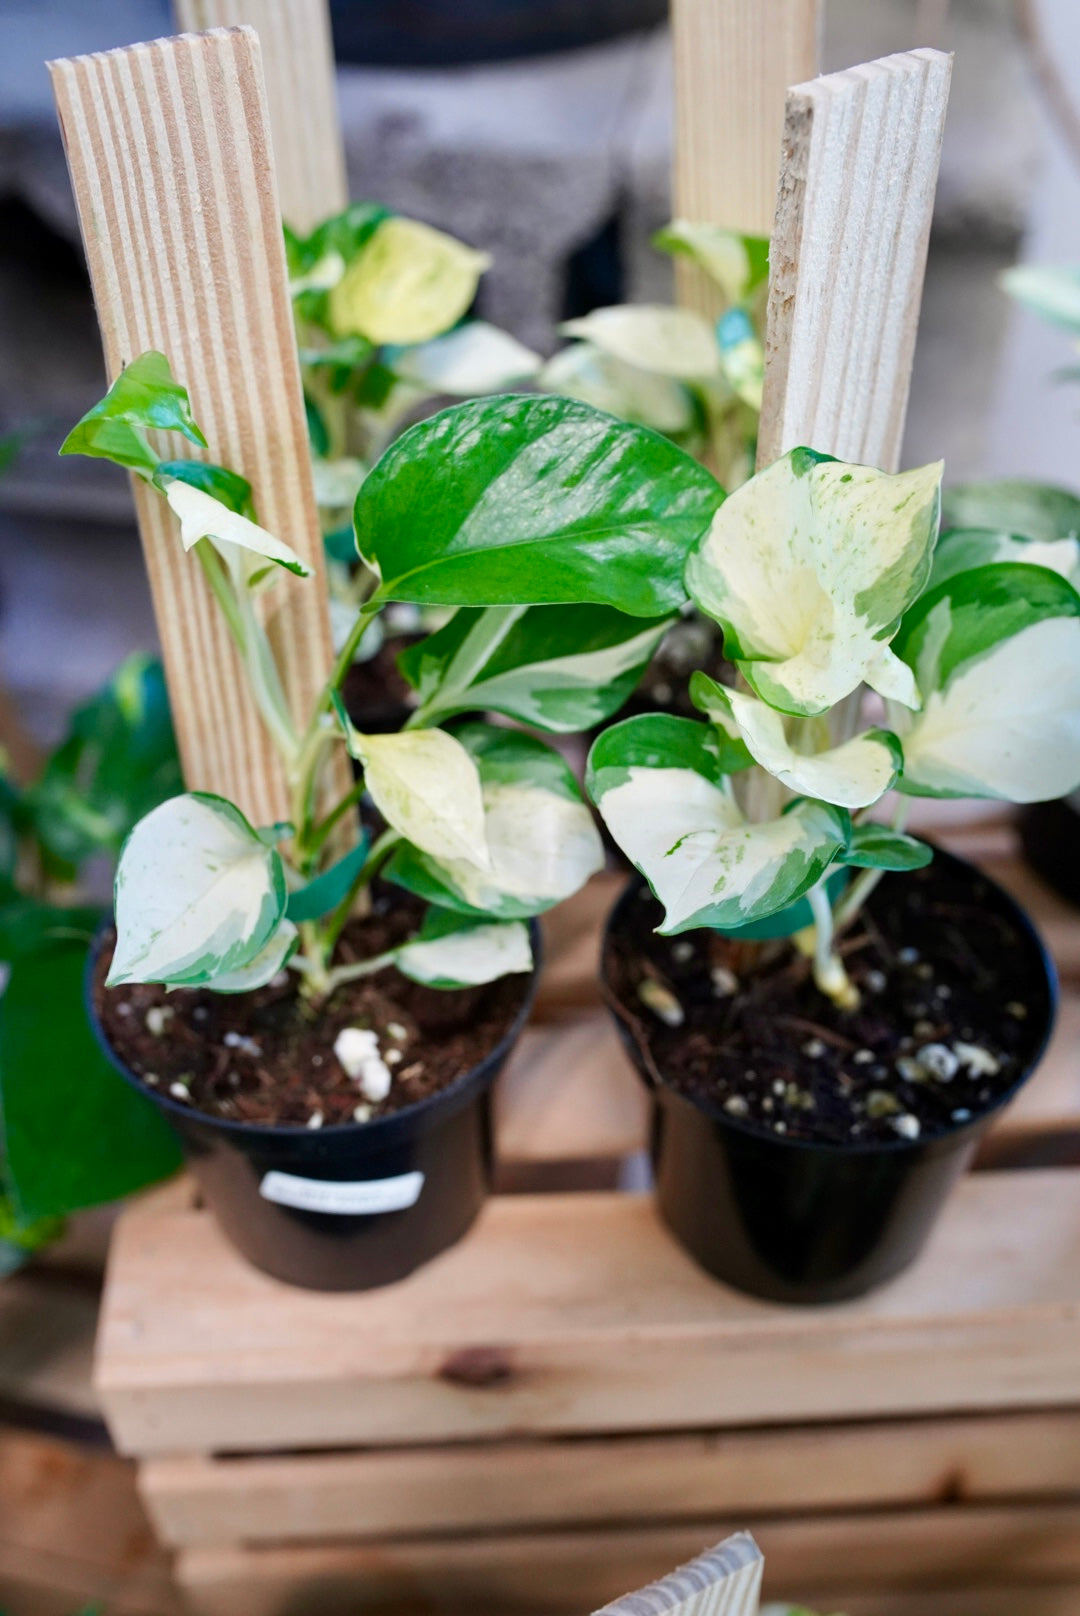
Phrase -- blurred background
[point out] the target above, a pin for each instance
(539, 130)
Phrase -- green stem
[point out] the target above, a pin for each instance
(829, 972)
(368, 967)
(862, 886)
(332, 928)
(218, 580)
(321, 831)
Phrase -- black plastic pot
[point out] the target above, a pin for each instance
(1050, 838)
(352, 1207)
(795, 1221)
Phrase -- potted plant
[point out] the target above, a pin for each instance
(825, 1052)
(381, 305)
(322, 1026)
(72, 1134)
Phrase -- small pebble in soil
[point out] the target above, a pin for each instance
(1017, 1010)
(280, 981)
(814, 1048)
(394, 1029)
(316, 1060)
(907, 1126)
(961, 1114)
(874, 981)
(943, 991)
(863, 1057)
(767, 1103)
(354, 1047)
(123, 1009)
(362, 1113)
(375, 1080)
(880, 1103)
(661, 1001)
(923, 1028)
(910, 1070)
(779, 1127)
(682, 952)
(939, 1060)
(179, 1091)
(199, 1013)
(392, 1057)
(242, 1045)
(315, 1120)
(908, 956)
(978, 1061)
(736, 1106)
(157, 1018)
(724, 982)
(925, 971)
(152, 1078)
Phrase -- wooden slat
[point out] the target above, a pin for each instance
(734, 60)
(301, 94)
(168, 147)
(860, 161)
(578, 1313)
(47, 1331)
(570, 1094)
(197, 1500)
(548, 1574)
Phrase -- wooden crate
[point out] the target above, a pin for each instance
(564, 1405)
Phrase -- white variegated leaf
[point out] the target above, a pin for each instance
(320, 277)
(583, 371)
(198, 894)
(996, 651)
(426, 786)
(409, 283)
(961, 549)
(266, 964)
(204, 517)
(670, 342)
(722, 254)
(853, 775)
(469, 957)
(1052, 290)
(475, 358)
(659, 789)
(337, 481)
(809, 567)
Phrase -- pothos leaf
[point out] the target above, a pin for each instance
(407, 284)
(512, 501)
(738, 264)
(876, 847)
(1013, 505)
(199, 894)
(586, 373)
(558, 668)
(962, 549)
(996, 654)
(232, 490)
(808, 568)
(655, 337)
(452, 952)
(202, 516)
(540, 835)
(327, 890)
(145, 395)
(473, 359)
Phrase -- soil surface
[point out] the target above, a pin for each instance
(953, 1007)
(378, 698)
(265, 1057)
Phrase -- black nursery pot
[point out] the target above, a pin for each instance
(352, 1207)
(791, 1220)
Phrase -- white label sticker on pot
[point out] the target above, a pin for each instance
(343, 1195)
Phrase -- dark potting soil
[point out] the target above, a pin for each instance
(266, 1057)
(953, 1007)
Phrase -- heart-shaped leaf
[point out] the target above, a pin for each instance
(144, 396)
(204, 517)
(738, 264)
(452, 952)
(996, 654)
(876, 847)
(407, 284)
(654, 337)
(476, 358)
(198, 894)
(962, 549)
(1013, 505)
(530, 501)
(588, 374)
(808, 569)
(426, 786)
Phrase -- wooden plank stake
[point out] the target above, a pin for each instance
(169, 151)
(301, 93)
(734, 60)
(860, 162)
(725, 1581)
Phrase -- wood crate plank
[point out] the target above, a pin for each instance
(867, 1553)
(47, 1329)
(198, 1500)
(567, 1313)
(570, 1093)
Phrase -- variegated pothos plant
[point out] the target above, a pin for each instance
(485, 822)
(833, 592)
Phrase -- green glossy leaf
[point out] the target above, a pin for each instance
(347, 233)
(199, 894)
(1034, 510)
(326, 891)
(318, 436)
(450, 951)
(996, 654)
(532, 501)
(75, 1133)
(876, 847)
(559, 668)
(144, 396)
(540, 835)
(232, 490)
(808, 568)
(119, 760)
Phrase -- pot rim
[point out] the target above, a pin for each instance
(861, 1147)
(381, 1129)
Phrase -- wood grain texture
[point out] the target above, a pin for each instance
(301, 95)
(860, 160)
(879, 1557)
(734, 61)
(169, 152)
(575, 1313)
(724, 1581)
(599, 1481)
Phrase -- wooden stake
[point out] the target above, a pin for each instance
(725, 1581)
(301, 93)
(734, 60)
(169, 151)
(860, 162)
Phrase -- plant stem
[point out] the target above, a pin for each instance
(332, 928)
(864, 883)
(829, 972)
(218, 580)
(322, 830)
(368, 967)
